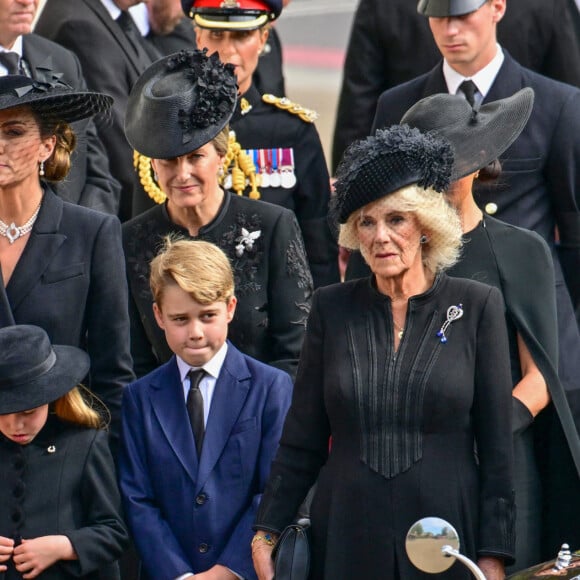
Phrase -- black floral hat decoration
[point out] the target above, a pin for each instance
(49, 96)
(479, 135)
(387, 161)
(180, 103)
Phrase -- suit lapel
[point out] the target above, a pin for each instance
(230, 394)
(168, 405)
(507, 82)
(435, 82)
(101, 12)
(43, 244)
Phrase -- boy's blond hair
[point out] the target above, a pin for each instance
(199, 268)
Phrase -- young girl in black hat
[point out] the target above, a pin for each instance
(59, 503)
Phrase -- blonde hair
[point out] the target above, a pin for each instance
(436, 218)
(74, 408)
(199, 268)
(220, 141)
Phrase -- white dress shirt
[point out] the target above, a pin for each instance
(17, 48)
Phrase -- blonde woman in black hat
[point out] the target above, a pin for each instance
(59, 503)
(408, 378)
(281, 160)
(518, 262)
(62, 265)
(178, 115)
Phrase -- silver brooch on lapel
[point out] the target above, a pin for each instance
(453, 313)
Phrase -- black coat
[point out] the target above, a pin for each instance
(89, 182)
(272, 281)
(391, 43)
(403, 429)
(69, 489)
(70, 280)
(110, 65)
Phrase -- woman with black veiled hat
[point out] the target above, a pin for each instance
(178, 115)
(408, 379)
(518, 262)
(60, 510)
(275, 153)
(62, 265)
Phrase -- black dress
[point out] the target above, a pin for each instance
(272, 280)
(404, 426)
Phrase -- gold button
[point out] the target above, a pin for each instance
(490, 208)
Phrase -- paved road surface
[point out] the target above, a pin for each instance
(314, 35)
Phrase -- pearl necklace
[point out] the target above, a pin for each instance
(401, 330)
(13, 232)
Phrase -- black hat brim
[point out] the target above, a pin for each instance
(478, 137)
(70, 368)
(445, 8)
(59, 101)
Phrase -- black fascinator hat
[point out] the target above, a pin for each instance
(386, 162)
(180, 103)
(33, 372)
(478, 136)
(48, 96)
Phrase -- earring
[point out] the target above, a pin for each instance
(41, 169)
(423, 239)
(155, 176)
(476, 175)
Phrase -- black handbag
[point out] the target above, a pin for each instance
(291, 553)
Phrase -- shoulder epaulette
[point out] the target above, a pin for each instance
(307, 115)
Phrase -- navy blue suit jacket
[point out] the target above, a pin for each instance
(188, 513)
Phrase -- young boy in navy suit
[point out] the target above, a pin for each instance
(199, 433)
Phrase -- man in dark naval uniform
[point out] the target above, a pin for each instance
(282, 161)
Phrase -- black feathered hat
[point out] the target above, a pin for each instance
(180, 103)
(48, 96)
(386, 162)
(33, 372)
(478, 136)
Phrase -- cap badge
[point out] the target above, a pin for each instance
(230, 4)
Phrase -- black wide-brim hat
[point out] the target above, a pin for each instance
(232, 14)
(386, 162)
(33, 372)
(445, 8)
(48, 96)
(478, 136)
(180, 103)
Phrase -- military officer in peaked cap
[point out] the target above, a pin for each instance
(276, 155)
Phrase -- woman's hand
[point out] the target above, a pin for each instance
(262, 556)
(492, 568)
(32, 557)
(6, 549)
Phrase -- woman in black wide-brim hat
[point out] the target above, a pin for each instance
(276, 154)
(177, 115)
(62, 265)
(408, 371)
(518, 262)
(60, 512)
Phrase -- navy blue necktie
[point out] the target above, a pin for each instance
(11, 61)
(195, 408)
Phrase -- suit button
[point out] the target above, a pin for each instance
(203, 548)
(201, 499)
(491, 208)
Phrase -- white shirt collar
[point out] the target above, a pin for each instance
(483, 79)
(16, 47)
(212, 367)
(112, 8)
(141, 17)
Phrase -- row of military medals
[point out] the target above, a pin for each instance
(273, 168)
